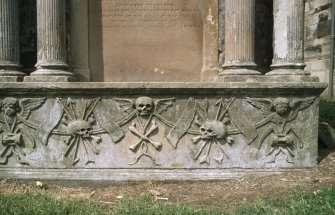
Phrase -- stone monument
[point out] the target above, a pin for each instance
(158, 106)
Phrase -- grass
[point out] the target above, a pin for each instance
(327, 111)
(322, 203)
(40, 203)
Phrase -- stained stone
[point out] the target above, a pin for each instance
(161, 40)
(288, 38)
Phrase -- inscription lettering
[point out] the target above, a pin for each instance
(158, 14)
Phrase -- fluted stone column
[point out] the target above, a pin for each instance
(9, 41)
(51, 42)
(239, 38)
(288, 38)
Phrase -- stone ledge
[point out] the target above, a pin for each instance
(121, 175)
(172, 87)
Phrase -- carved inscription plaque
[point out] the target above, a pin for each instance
(152, 40)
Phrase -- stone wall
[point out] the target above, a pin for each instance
(317, 37)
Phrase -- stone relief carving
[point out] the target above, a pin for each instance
(15, 128)
(213, 132)
(80, 123)
(278, 117)
(146, 111)
(77, 127)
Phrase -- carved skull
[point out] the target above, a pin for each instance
(80, 128)
(144, 106)
(213, 129)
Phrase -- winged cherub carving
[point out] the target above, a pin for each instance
(279, 113)
(13, 127)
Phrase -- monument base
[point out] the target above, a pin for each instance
(157, 131)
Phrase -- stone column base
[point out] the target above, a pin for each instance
(11, 78)
(279, 72)
(48, 79)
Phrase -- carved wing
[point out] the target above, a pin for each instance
(27, 105)
(127, 105)
(163, 104)
(265, 105)
(299, 105)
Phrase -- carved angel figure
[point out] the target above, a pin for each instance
(14, 125)
(279, 113)
(146, 111)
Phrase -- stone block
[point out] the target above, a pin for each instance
(156, 131)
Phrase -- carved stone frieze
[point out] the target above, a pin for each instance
(159, 132)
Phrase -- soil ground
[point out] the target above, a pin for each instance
(223, 195)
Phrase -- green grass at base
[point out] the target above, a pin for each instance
(322, 203)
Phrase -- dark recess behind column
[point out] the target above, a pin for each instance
(28, 35)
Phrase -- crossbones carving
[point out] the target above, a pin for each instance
(145, 137)
(143, 142)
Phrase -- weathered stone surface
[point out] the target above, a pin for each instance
(9, 39)
(53, 78)
(288, 38)
(144, 130)
(165, 40)
(51, 39)
(239, 38)
(11, 78)
(210, 67)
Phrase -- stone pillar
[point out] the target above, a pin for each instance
(288, 36)
(239, 38)
(51, 42)
(9, 41)
(210, 68)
